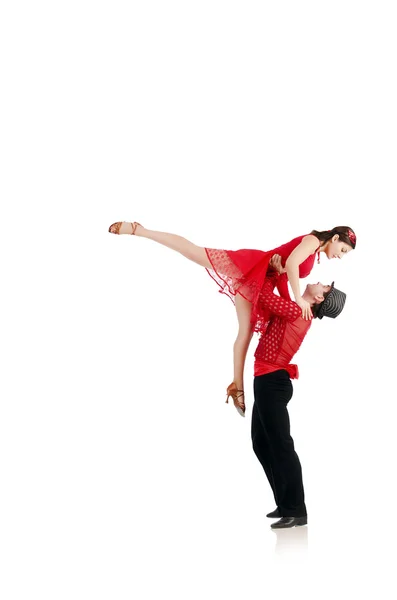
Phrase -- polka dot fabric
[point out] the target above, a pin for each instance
(245, 271)
(283, 336)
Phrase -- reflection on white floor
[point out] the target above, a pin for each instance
(292, 541)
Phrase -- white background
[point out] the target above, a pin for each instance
(238, 125)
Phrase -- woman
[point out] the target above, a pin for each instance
(241, 274)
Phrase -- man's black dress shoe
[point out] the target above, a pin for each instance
(289, 522)
(274, 515)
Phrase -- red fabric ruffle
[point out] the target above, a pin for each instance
(242, 271)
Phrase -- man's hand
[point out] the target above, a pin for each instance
(275, 263)
(306, 310)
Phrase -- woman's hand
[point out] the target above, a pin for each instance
(305, 306)
(275, 263)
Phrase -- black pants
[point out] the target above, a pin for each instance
(273, 444)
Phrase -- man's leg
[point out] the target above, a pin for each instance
(274, 391)
(261, 446)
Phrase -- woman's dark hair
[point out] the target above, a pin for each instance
(346, 234)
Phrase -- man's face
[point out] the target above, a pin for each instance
(317, 291)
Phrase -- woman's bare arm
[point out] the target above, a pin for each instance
(308, 246)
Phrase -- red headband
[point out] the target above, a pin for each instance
(352, 236)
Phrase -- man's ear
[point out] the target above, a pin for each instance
(318, 298)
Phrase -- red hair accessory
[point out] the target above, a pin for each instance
(352, 236)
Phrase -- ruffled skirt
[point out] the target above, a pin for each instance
(243, 272)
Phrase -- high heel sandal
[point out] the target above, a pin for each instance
(115, 227)
(233, 392)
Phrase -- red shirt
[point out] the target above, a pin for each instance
(283, 336)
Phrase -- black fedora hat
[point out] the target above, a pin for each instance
(333, 305)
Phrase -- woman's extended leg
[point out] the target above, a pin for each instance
(243, 306)
(198, 255)
(195, 253)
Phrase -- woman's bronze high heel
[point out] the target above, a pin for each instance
(233, 392)
(115, 228)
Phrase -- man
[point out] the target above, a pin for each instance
(270, 430)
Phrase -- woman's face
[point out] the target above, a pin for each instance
(336, 249)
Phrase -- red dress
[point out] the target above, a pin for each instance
(244, 271)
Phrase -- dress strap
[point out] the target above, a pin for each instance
(318, 255)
